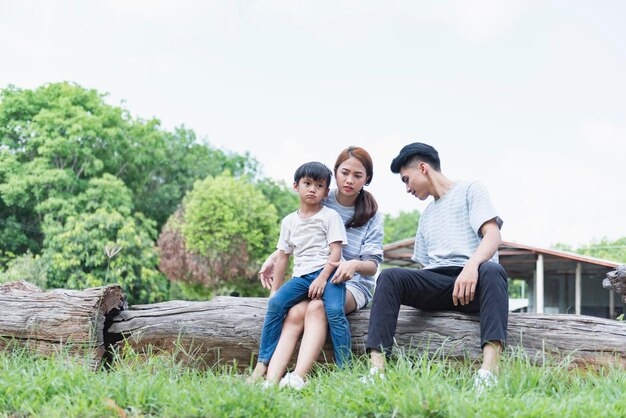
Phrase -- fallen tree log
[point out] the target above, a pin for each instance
(227, 330)
(50, 321)
(616, 281)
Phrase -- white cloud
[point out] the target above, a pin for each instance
(475, 20)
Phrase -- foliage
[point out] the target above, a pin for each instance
(223, 212)
(515, 288)
(609, 250)
(56, 138)
(402, 226)
(282, 196)
(415, 386)
(27, 267)
(219, 236)
(190, 270)
(79, 176)
(95, 238)
(606, 249)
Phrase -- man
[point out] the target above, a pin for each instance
(456, 243)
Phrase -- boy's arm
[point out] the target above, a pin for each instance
(280, 267)
(316, 289)
(465, 285)
(266, 274)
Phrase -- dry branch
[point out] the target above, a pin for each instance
(49, 321)
(228, 329)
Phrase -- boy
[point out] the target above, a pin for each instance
(457, 242)
(314, 234)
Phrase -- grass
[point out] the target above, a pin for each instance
(415, 386)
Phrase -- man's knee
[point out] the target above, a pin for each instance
(492, 273)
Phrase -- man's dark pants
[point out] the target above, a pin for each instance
(431, 290)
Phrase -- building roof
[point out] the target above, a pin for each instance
(518, 260)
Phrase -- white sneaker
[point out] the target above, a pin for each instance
(484, 380)
(267, 384)
(293, 381)
(374, 376)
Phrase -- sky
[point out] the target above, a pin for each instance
(528, 97)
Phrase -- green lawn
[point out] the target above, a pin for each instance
(414, 387)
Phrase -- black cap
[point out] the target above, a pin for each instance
(420, 150)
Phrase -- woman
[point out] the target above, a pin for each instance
(364, 227)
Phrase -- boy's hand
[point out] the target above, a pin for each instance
(316, 289)
(266, 274)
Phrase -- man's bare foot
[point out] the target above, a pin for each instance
(258, 373)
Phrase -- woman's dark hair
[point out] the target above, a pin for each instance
(315, 171)
(365, 206)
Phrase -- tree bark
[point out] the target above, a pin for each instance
(227, 330)
(616, 281)
(46, 322)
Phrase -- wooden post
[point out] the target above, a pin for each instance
(578, 288)
(539, 289)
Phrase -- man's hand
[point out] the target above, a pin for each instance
(344, 272)
(465, 285)
(266, 274)
(316, 289)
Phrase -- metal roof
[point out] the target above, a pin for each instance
(517, 259)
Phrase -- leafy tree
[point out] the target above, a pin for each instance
(95, 238)
(402, 226)
(280, 195)
(28, 267)
(606, 249)
(223, 231)
(56, 138)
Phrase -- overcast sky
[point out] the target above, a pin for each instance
(528, 97)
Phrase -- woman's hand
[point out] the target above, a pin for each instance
(345, 271)
(266, 274)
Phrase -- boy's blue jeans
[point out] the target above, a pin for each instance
(289, 295)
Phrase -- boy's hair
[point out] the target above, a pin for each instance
(313, 170)
(417, 151)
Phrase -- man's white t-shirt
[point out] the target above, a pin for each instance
(449, 229)
(309, 239)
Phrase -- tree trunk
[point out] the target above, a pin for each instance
(227, 330)
(616, 281)
(46, 322)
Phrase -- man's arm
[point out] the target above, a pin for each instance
(465, 285)
(317, 287)
(280, 267)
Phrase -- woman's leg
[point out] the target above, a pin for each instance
(292, 330)
(315, 331)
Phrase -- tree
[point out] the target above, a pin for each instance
(96, 238)
(224, 229)
(606, 249)
(54, 139)
(282, 196)
(402, 226)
